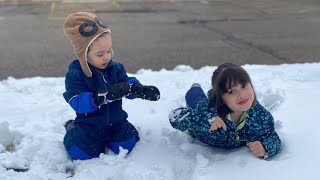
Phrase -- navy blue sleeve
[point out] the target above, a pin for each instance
(83, 103)
(123, 77)
(77, 93)
(74, 84)
(131, 81)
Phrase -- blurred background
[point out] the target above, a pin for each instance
(156, 34)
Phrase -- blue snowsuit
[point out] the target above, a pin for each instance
(256, 124)
(96, 128)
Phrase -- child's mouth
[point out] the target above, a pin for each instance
(244, 101)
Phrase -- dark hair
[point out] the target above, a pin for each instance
(223, 78)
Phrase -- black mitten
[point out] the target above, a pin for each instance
(117, 91)
(150, 93)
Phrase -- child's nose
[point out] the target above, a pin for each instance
(107, 57)
(241, 93)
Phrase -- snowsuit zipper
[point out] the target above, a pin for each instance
(105, 81)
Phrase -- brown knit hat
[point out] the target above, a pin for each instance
(82, 28)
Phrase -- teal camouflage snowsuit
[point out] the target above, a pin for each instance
(256, 124)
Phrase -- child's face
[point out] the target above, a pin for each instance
(100, 52)
(239, 98)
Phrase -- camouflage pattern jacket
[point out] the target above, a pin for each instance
(256, 124)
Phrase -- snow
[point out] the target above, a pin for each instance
(33, 112)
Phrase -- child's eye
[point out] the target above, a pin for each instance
(244, 85)
(230, 91)
(99, 55)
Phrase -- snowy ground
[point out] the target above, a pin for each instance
(33, 112)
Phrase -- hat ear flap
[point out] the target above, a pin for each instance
(112, 52)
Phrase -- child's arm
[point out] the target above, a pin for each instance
(77, 94)
(137, 90)
(197, 121)
(270, 139)
(112, 93)
(272, 144)
(83, 101)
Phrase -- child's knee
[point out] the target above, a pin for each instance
(73, 149)
(126, 138)
(128, 144)
(77, 153)
(79, 146)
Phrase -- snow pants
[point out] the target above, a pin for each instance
(194, 95)
(83, 143)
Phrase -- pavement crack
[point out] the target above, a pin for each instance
(233, 41)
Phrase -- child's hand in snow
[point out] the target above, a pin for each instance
(218, 123)
(256, 148)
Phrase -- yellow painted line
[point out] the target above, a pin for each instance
(53, 8)
(115, 2)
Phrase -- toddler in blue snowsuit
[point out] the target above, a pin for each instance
(230, 117)
(95, 86)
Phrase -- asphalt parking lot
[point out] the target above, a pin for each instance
(163, 34)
